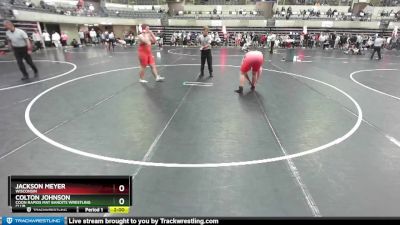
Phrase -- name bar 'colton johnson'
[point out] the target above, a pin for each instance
(43, 197)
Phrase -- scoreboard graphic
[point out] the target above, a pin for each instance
(63, 194)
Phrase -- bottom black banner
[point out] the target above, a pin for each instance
(206, 221)
(138, 221)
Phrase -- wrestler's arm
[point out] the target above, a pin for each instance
(152, 37)
(143, 39)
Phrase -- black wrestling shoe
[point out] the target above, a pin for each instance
(36, 74)
(201, 74)
(253, 87)
(240, 90)
(211, 74)
(25, 78)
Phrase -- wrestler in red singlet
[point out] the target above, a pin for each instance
(252, 60)
(146, 57)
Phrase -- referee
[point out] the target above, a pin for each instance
(377, 47)
(21, 45)
(273, 38)
(205, 42)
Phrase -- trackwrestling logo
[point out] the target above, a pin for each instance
(33, 220)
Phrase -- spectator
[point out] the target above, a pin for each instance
(104, 37)
(82, 37)
(263, 40)
(46, 38)
(75, 43)
(64, 39)
(332, 39)
(278, 13)
(256, 40)
(303, 13)
(173, 40)
(361, 13)
(93, 36)
(37, 40)
(91, 10)
(42, 4)
(126, 37)
(289, 10)
(29, 4)
(302, 42)
(188, 38)
(359, 41)
(337, 40)
(98, 36)
(79, 5)
(55, 37)
(329, 12)
(226, 37)
(333, 12)
(131, 39)
(111, 41)
(161, 39)
(307, 41)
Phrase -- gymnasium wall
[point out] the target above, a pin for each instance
(134, 7)
(229, 23)
(394, 24)
(56, 18)
(119, 30)
(224, 7)
(378, 10)
(278, 23)
(71, 30)
(266, 9)
(174, 7)
(327, 24)
(36, 2)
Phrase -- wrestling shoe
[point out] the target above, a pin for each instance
(159, 78)
(240, 90)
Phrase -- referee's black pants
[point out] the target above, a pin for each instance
(376, 49)
(38, 45)
(20, 54)
(206, 55)
(271, 50)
